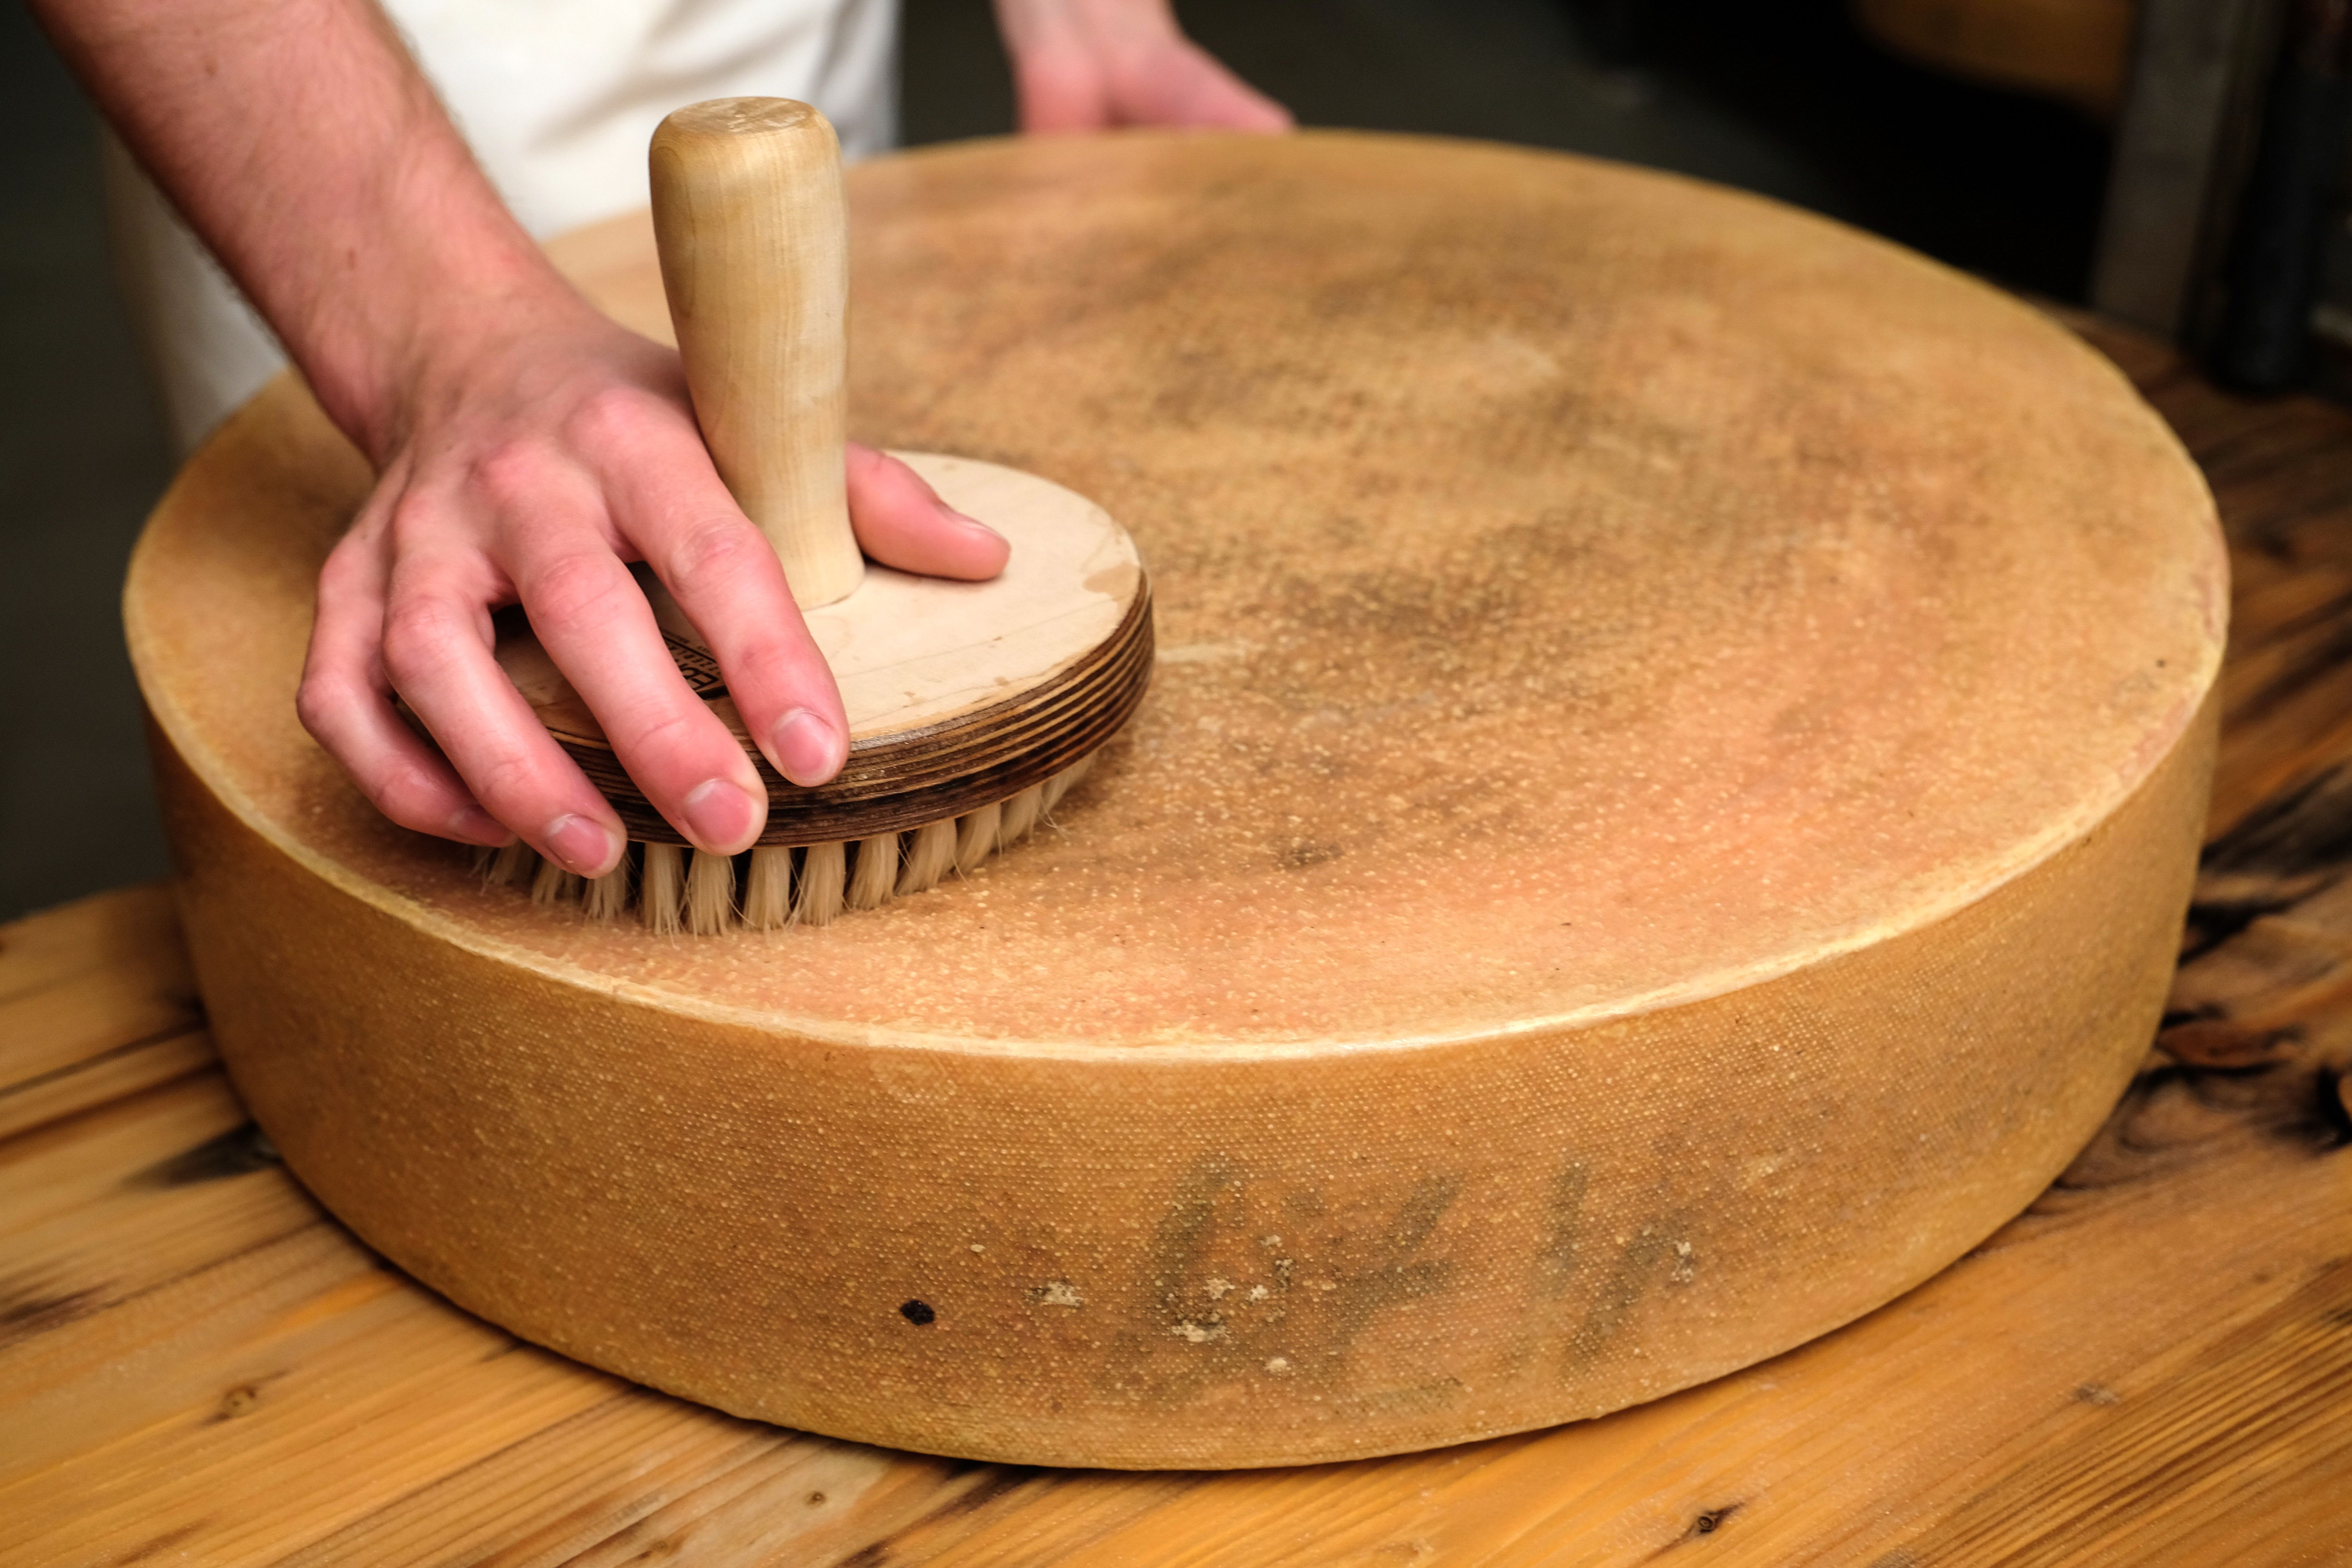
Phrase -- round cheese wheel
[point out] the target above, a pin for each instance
(1675, 766)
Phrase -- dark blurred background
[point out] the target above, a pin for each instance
(1787, 97)
(2078, 150)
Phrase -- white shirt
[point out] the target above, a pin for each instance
(559, 98)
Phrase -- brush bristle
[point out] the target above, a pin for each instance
(824, 868)
(930, 855)
(781, 886)
(874, 872)
(1062, 784)
(553, 885)
(661, 889)
(607, 897)
(768, 890)
(709, 893)
(976, 837)
(516, 866)
(1020, 814)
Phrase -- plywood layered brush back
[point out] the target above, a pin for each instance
(1675, 762)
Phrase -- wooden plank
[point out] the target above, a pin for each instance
(131, 932)
(103, 1077)
(649, 1480)
(223, 1348)
(65, 1044)
(2151, 1366)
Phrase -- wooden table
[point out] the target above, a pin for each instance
(2152, 1365)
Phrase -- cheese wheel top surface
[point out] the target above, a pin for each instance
(1579, 590)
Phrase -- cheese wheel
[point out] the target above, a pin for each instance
(1675, 762)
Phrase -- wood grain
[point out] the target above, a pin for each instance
(67, 1044)
(2147, 1367)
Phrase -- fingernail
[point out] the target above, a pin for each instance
(719, 817)
(476, 826)
(580, 846)
(807, 749)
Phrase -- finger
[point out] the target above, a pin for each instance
(669, 500)
(594, 621)
(1060, 91)
(344, 703)
(436, 651)
(1194, 89)
(901, 522)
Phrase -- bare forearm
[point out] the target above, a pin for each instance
(301, 142)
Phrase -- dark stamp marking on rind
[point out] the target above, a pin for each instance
(1248, 1280)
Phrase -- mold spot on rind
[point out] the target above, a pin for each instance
(917, 1312)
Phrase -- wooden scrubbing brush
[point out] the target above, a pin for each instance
(972, 707)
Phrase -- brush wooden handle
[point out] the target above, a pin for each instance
(748, 215)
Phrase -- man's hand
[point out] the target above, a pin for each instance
(1095, 65)
(559, 448)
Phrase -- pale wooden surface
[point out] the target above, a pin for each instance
(2152, 1366)
(1643, 640)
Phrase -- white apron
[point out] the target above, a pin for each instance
(559, 98)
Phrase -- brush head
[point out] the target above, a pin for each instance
(968, 703)
(675, 890)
